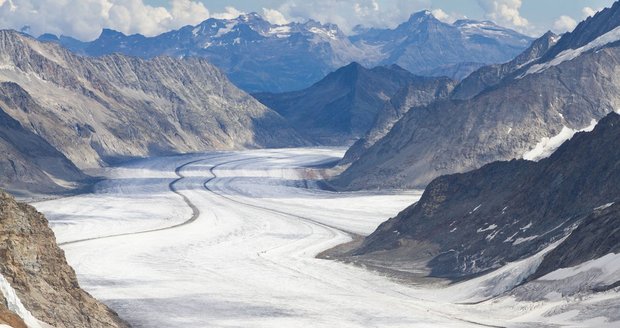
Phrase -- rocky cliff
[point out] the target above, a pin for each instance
(44, 285)
(532, 108)
(346, 103)
(470, 223)
(29, 163)
(98, 110)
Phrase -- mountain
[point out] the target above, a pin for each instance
(420, 92)
(492, 75)
(470, 223)
(426, 45)
(98, 110)
(37, 283)
(262, 57)
(343, 106)
(528, 112)
(28, 162)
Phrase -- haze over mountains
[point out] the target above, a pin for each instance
(259, 56)
(346, 104)
(530, 105)
(98, 110)
(513, 139)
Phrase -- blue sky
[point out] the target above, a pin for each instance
(84, 19)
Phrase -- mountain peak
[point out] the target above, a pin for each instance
(588, 30)
(422, 16)
(107, 33)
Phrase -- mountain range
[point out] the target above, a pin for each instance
(522, 109)
(345, 104)
(471, 223)
(262, 57)
(63, 112)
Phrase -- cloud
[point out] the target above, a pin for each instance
(349, 13)
(564, 24)
(505, 12)
(589, 11)
(84, 19)
(274, 16)
(445, 17)
(229, 13)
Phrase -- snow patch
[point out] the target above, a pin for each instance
(331, 34)
(526, 227)
(608, 267)
(523, 240)
(491, 227)
(226, 29)
(570, 54)
(15, 304)
(475, 209)
(602, 207)
(547, 146)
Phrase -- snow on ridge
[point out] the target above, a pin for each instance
(602, 207)
(570, 54)
(15, 304)
(608, 268)
(324, 32)
(547, 146)
(491, 227)
(225, 30)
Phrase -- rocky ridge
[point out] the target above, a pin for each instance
(99, 110)
(470, 223)
(346, 103)
(36, 268)
(259, 56)
(530, 108)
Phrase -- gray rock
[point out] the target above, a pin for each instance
(98, 110)
(466, 224)
(262, 57)
(505, 121)
(344, 105)
(28, 162)
(37, 270)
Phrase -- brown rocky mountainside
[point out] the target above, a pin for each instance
(36, 268)
(99, 110)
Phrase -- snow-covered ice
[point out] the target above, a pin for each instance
(248, 258)
(547, 146)
(570, 54)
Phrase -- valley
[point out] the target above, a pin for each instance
(248, 257)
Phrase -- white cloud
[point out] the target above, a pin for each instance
(446, 17)
(589, 11)
(274, 16)
(505, 12)
(349, 13)
(84, 19)
(229, 13)
(564, 24)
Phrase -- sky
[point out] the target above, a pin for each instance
(84, 19)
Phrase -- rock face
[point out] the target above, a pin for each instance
(37, 270)
(28, 162)
(597, 236)
(531, 107)
(469, 223)
(97, 110)
(492, 75)
(420, 92)
(345, 104)
(262, 57)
